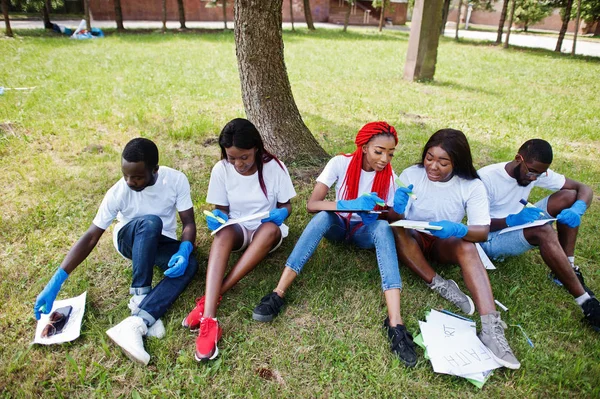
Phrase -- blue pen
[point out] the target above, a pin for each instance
(527, 204)
(456, 315)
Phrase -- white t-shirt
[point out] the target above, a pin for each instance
(243, 194)
(335, 172)
(169, 194)
(504, 192)
(438, 201)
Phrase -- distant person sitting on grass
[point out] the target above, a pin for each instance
(508, 183)
(245, 182)
(145, 202)
(446, 187)
(364, 181)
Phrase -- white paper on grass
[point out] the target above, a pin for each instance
(487, 263)
(260, 215)
(536, 223)
(71, 330)
(454, 348)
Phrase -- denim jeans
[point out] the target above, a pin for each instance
(141, 241)
(331, 226)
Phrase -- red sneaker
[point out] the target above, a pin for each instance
(192, 320)
(206, 343)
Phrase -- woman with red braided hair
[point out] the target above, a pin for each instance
(364, 182)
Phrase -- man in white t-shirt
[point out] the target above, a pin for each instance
(508, 185)
(144, 202)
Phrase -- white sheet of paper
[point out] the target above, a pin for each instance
(415, 224)
(487, 263)
(261, 215)
(536, 223)
(71, 330)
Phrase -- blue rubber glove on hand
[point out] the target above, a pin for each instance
(276, 216)
(401, 198)
(572, 216)
(212, 222)
(179, 260)
(368, 218)
(365, 202)
(527, 215)
(45, 300)
(449, 229)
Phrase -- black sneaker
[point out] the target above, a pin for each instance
(270, 305)
(591, 312)
(579, 275)
(401, 343)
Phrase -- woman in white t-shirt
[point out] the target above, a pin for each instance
(444, 186)
(247, 182)
(364, 179)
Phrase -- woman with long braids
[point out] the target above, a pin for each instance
(364, 183)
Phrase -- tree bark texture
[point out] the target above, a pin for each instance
(46, 8)
(86, 11)
(510, 22)
(565, 24)
(119, 16)
(347, 16)
(181, 10)
(445, 12)
(502, 21)
(423, 41)
(266, 90)
(225, 14)
(9, 31)
(308, 15)
(381, 16)
(577, 21)
(292, 14)
(460, 3)
(164, 16)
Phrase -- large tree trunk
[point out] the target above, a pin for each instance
(382, 15)
(502, 21)
(565, 24)
(510, 22)
(577, 21)
(86, 11)
(119, 16)
(181, 10)
(266, 90)
(347, 16)
(308, 15)
(458, 18)
(164, 16)
(445, 12)
(46, 7)
(292, 14)
(9, 31)
(225, 14)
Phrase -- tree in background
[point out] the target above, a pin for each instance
(590, 11)
(530, 12)
(266, 90)
(381, 4)
(86, 14)
(46, 8)
(119, 16)
(510, 22)
(8, 31)
(181, 10)
(292, 14)
(350, 4)
(502, 21)
(567, 6)
(223, 3)
(308, 15)
(445, 12)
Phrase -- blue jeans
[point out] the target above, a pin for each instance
(330, 225)
(141, 241)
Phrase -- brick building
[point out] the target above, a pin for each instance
(332, 11)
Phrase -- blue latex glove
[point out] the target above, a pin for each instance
(212, 222)
(368, 218)
(179, 260)
(276, 216)
(572, 216)
(527, 215)
(45, 300)
(449, 229)
(365, 202)
(401, 198)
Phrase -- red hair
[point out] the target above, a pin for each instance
(381, 184)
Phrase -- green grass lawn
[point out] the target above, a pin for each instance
(60, 147)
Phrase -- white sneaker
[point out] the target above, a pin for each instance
(134, 302)
(156, 330)
(129, 334)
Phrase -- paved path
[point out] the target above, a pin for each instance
(535, 41)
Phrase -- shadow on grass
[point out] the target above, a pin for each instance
(457, 86)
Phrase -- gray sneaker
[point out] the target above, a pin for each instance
(448, 289)
(492, 336)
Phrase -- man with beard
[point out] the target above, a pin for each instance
(508, 183)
